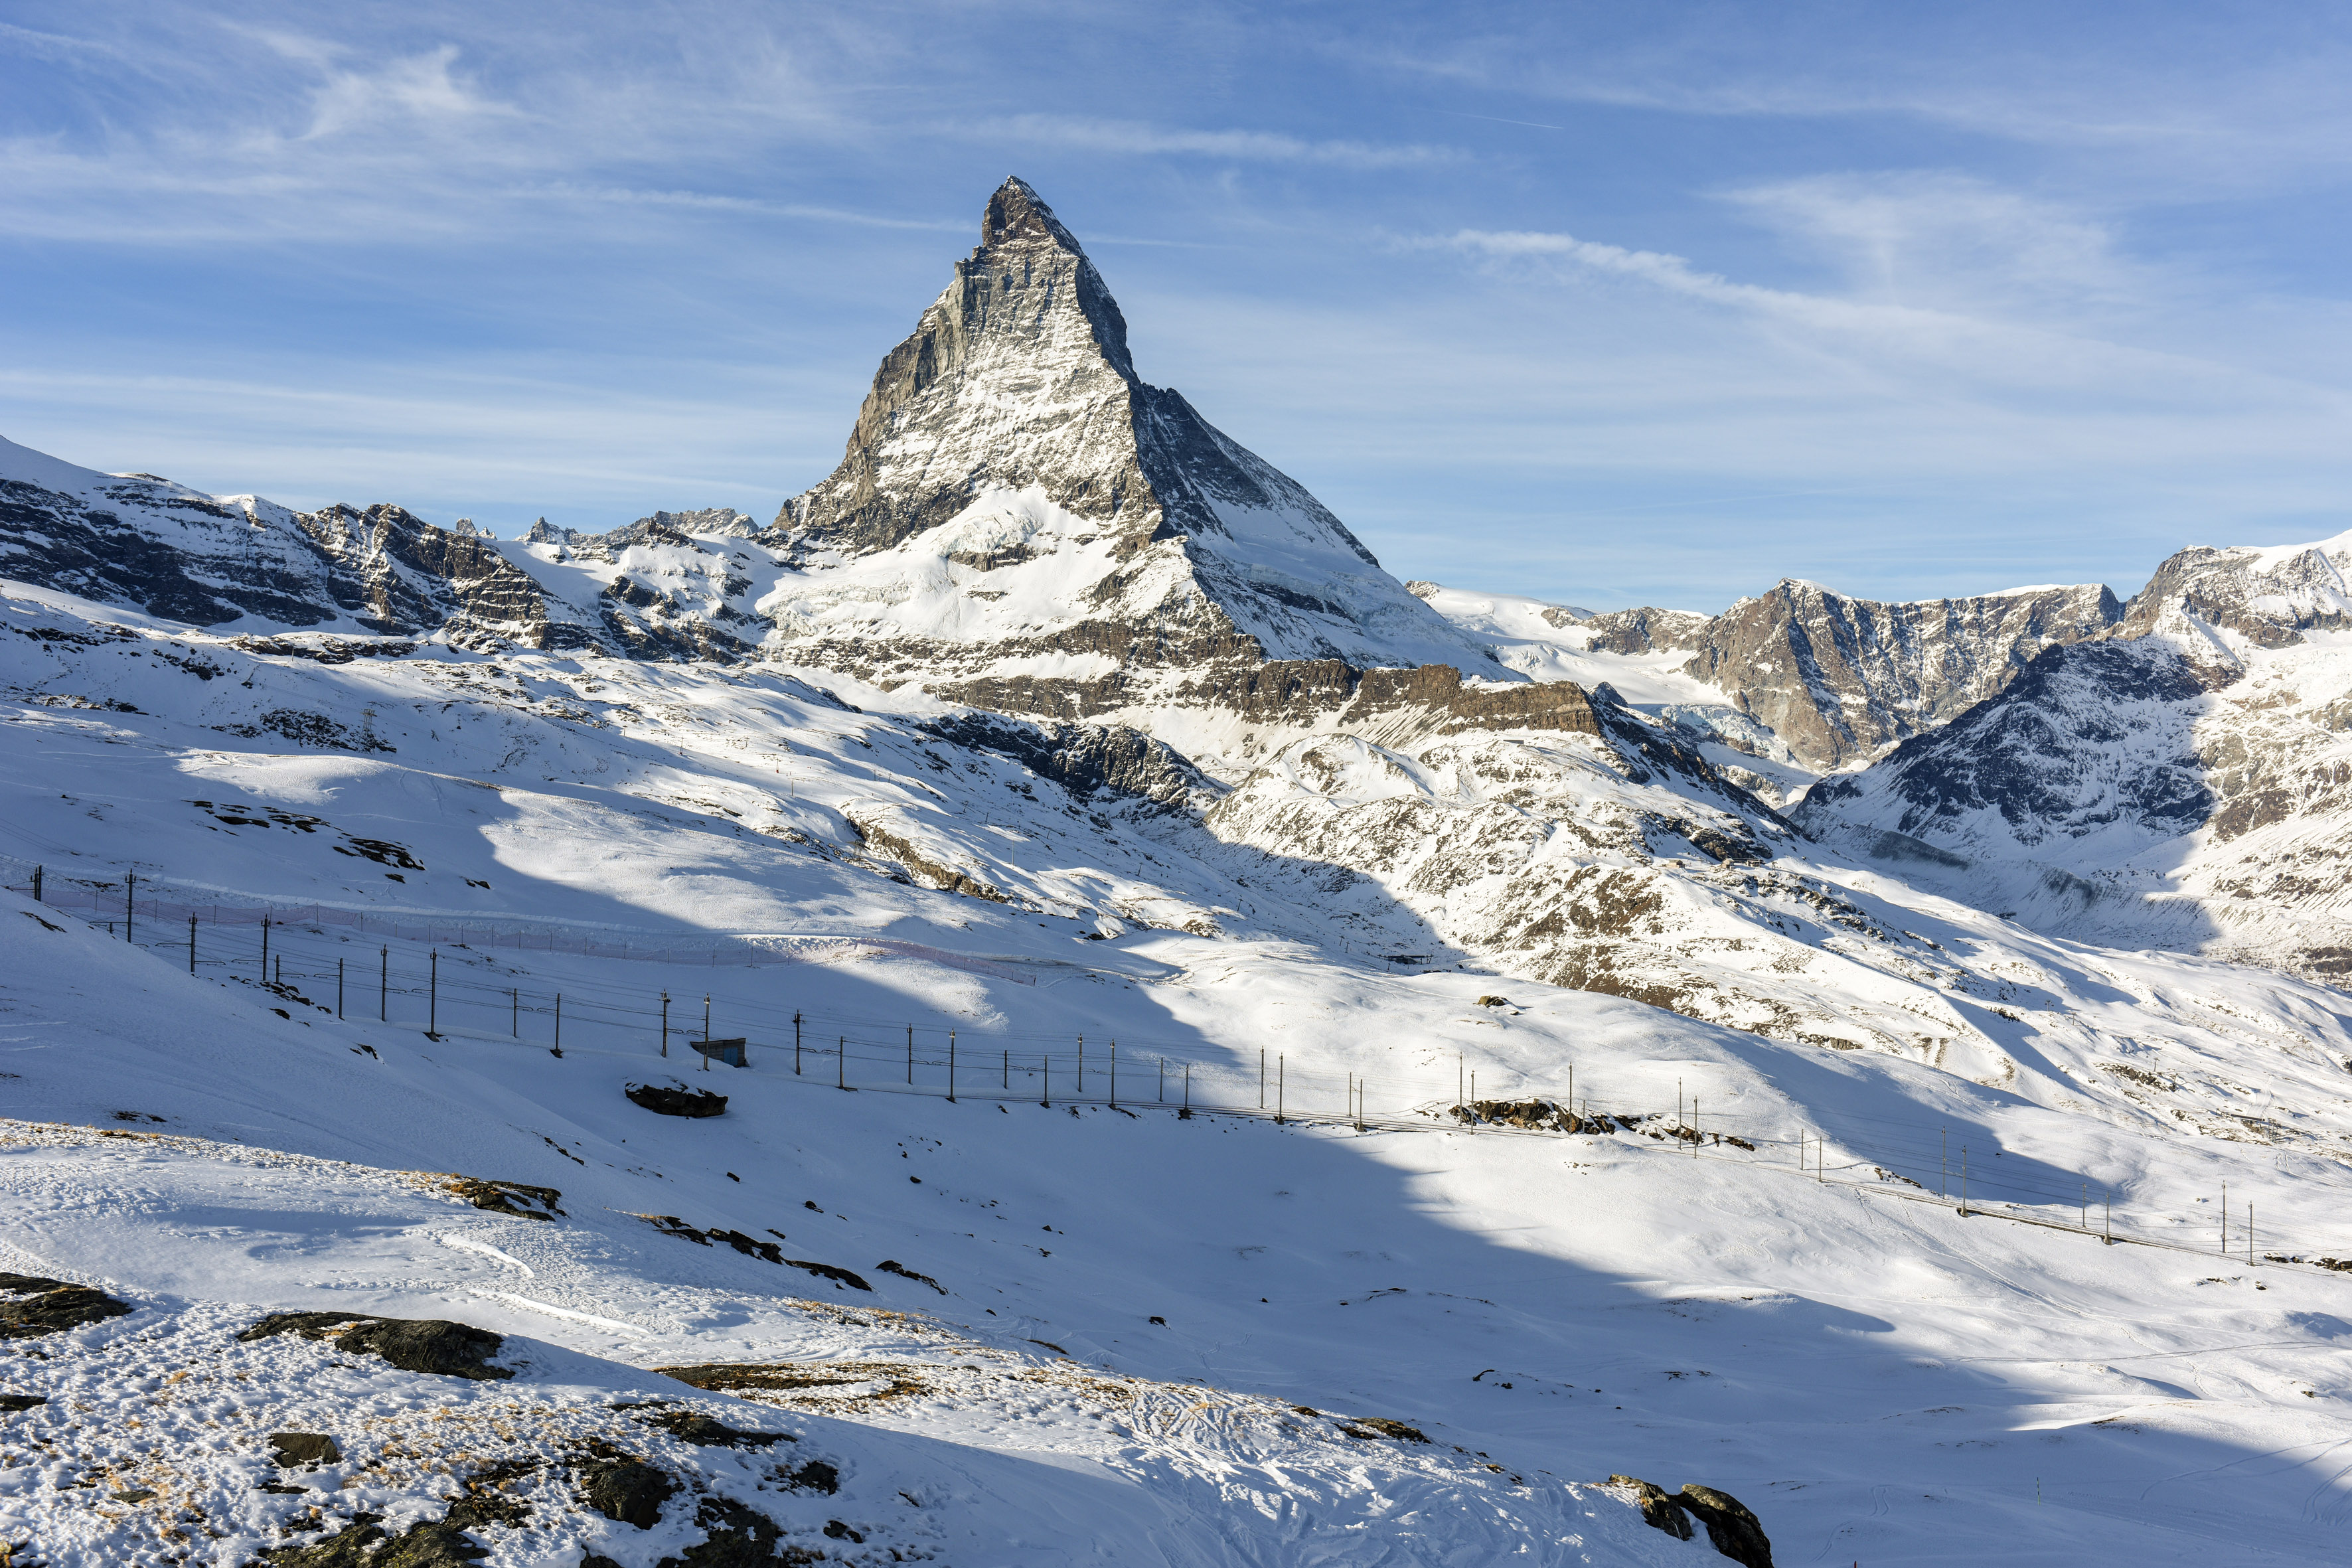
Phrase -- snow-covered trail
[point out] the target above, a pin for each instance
(1879, 1381)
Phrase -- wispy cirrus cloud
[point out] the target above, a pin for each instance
(1241, 146)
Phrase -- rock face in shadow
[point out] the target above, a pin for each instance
(413, 1344)
(35, 1306)
(1731, 1529)
(1734, 1531)
(1660, 1509)
(2087, 737)
(676, 1100)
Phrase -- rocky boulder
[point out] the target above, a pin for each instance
(412, 1344)
(35, 1306)
(675, 1099)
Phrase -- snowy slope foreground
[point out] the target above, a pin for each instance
(1012, 1333)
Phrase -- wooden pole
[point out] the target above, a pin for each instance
(1281, 1072)
(910, 1054)
(433, 998)
(265, 950)
(1114, 1075)
(383, 986)
(130, 902)
(192, 965)
(559, 1020)
(664, 1023)
(339, 969)
(951, 1067)
(796, 1044)
(841, 1062)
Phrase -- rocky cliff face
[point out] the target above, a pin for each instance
(1838, 679)
(211, 561)
(2268, 596)
(2186, 782)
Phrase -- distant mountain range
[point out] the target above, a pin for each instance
(1037, 553)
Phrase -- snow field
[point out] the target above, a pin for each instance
(1815, 1351)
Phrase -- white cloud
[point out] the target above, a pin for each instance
(1933, 236)
(403, 94)
(1246, 146)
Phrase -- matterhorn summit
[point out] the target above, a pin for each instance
(1017, 503)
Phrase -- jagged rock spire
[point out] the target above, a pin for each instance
(1017, 384)
(1019, 374)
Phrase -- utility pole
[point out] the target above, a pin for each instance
(706, 1028)
(1964, 1181)
(36, 884)
(910, 1054)
(383, 987)
(1281, 1070)
(1943, 1176)
(265, 950)
(796, 1044)
(1114, 1075)
(192, 948)
(2225, 1219)
(130, 902)
(339, 970)
(841, 1062)
(951, 1067)
(664, 1023)
(559, 1020)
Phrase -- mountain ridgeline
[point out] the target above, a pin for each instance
(1023, 529)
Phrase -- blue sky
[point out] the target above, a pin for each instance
(1606, 303)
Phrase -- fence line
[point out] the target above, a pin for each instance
(104, 901)
(1059, 1077)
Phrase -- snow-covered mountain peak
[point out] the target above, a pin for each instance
(1185, 547)
(2269, 595)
